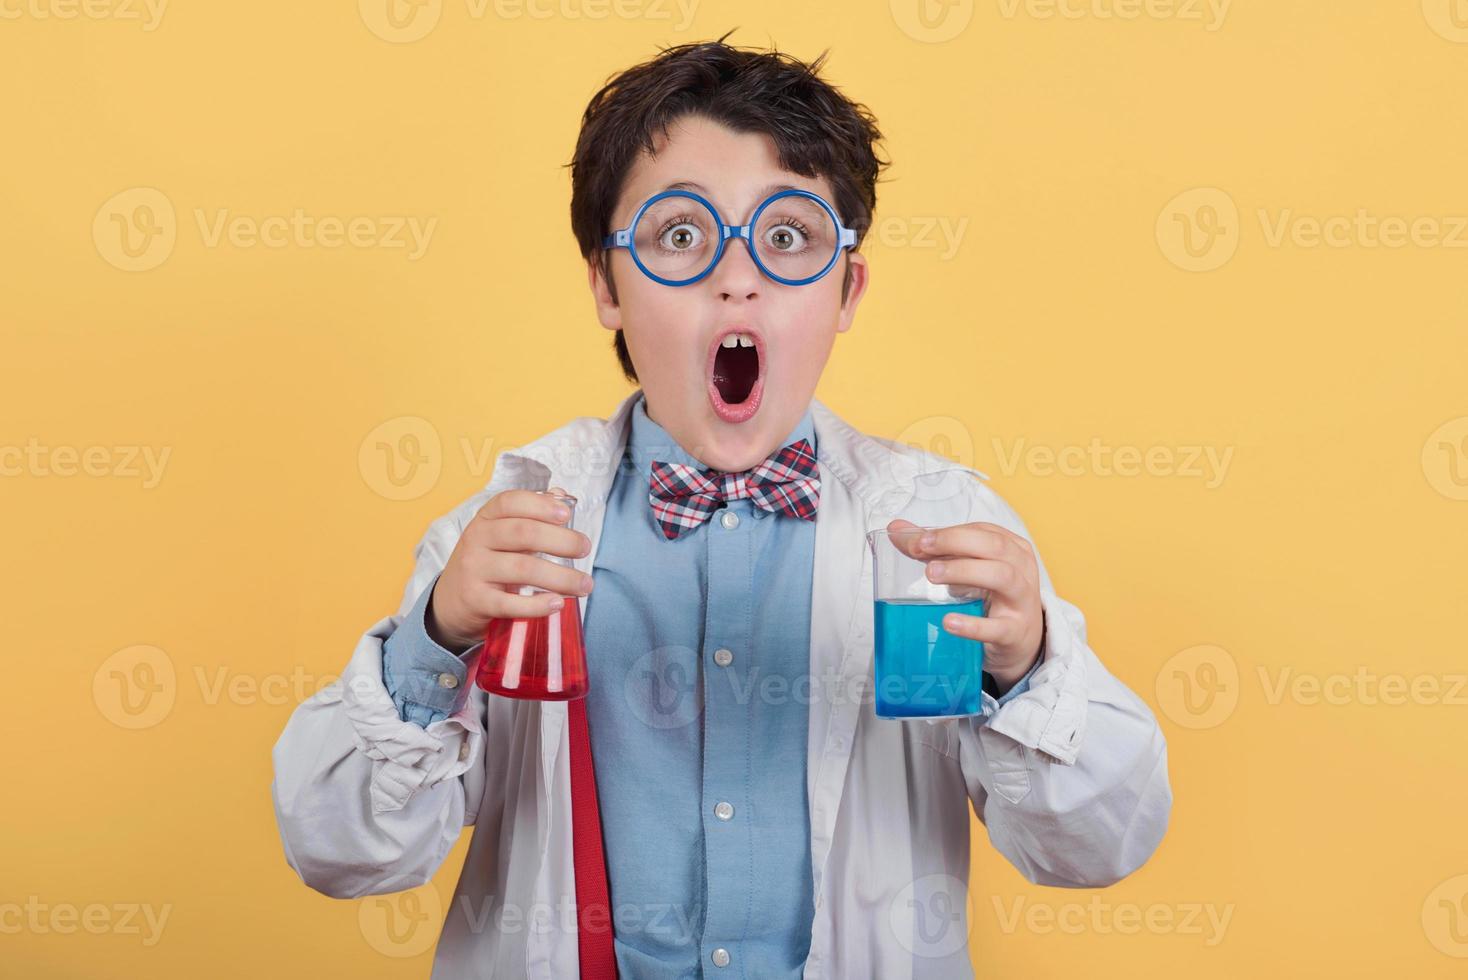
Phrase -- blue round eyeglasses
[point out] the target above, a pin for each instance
(677, 237)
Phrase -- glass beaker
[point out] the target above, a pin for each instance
(539, 658)
(920, 669)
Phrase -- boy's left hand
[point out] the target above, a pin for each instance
(982, 559)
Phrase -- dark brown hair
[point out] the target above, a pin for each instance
(817, 132)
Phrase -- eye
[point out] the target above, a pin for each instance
(680, 235)
(788, 236)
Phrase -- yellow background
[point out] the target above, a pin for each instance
(1330, 834)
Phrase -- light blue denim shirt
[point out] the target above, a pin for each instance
(701, 761)
(698, 655)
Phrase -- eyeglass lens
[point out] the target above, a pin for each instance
(677, 237)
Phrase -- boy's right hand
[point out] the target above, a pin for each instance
(495, 556)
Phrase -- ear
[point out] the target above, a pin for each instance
(603, 292)
(860, 275)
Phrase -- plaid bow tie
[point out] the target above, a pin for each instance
(683, 497)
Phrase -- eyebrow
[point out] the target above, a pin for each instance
(690, 185)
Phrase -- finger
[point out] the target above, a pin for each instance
(499, 604)
(904, 536)
(982, 628)
(983, 573)
(512, 570)
(528, 535)
(976, 540)
(525, 503)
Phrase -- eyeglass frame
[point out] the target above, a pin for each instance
(622, 237)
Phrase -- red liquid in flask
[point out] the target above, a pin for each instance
(540, 658)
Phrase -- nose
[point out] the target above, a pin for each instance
(736, 276)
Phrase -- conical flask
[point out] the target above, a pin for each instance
(539, 658)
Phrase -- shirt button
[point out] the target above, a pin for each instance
(720, 957)
(723, 657)
(724, 811)
(730, 520)
(448, 680)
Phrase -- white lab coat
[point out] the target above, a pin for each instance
(1069, 777)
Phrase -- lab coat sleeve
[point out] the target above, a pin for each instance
(1070, 776)
(366, 802)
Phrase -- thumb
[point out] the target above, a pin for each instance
(904, 537)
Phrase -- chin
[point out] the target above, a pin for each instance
(734, 448)
(737, 458)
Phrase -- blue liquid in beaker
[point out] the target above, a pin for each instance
(921, 669)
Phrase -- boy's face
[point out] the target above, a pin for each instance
(673, 332)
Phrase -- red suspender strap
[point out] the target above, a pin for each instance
(593, 907)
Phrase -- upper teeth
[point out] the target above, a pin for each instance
(737, 340)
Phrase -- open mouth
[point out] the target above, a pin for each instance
(736, 378)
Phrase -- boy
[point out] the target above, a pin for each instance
(747, 828)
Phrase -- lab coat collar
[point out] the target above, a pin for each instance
(586, 452)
